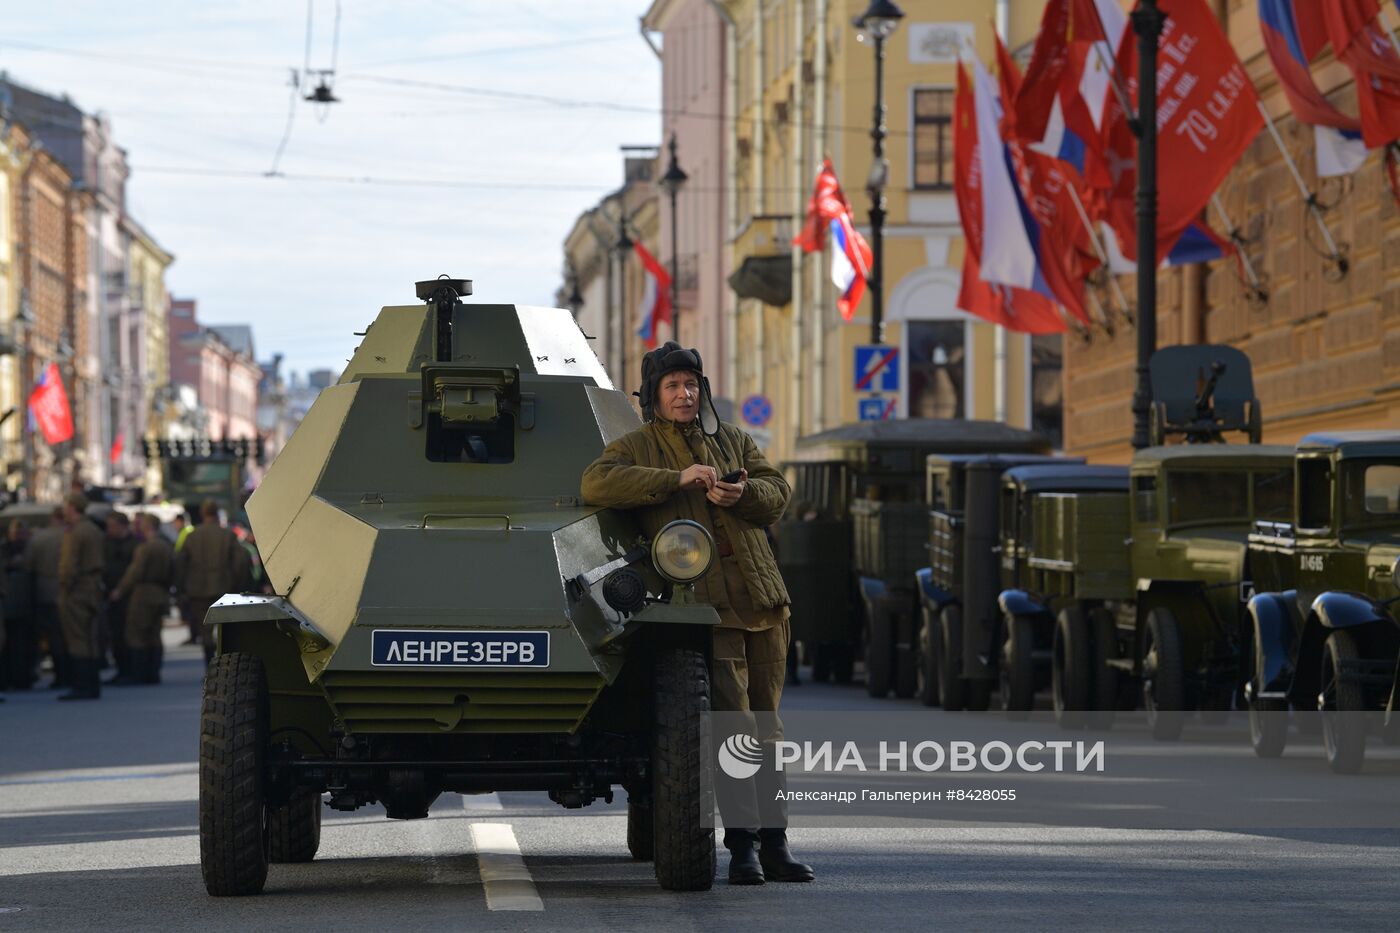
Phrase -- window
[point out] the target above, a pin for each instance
(1047, 388)
(1202, 496)
(1371, 493)
(933, 138)
(1273, 495)
(1314, 494)
(936, 360)
(1145, 498)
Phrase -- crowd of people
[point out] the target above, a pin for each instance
(91, 591)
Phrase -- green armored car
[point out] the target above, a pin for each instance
(856, 532)
(452, 618)
(1163, 612)
(1324, 624)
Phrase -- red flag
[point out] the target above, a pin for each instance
(1365, 47)
(117, 446)
(48, 403)
(826, 204)
(1052, 64)
(656, 296)
(1012, 308)
(1207, 114)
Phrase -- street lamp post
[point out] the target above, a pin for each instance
(673, 181)
(877, 24)
(1147, 23)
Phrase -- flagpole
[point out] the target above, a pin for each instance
(1308, 197)
(1238, 240)
(1100, 251)
(1147, 23)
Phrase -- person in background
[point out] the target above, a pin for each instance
(118, 548)
(80, 597)
(20, 656)
(184, 526)
(41, 564)
(144, 591)
(210, 564)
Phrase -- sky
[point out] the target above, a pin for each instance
(459, 168)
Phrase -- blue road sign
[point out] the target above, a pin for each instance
(876, 369)
(757, 410)
(876, 409)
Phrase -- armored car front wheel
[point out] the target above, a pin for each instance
(294, 828)
(234, 837)
(682, 797)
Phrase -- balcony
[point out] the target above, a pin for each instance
(763, 259)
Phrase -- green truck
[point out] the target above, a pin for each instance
(1323, 623)
(195, 470)
(856, 532)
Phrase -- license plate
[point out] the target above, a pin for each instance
(437, 648)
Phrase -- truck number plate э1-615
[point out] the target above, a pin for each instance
(438, 648)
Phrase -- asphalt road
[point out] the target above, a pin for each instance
(98, 831)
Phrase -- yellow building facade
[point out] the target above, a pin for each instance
(148, 298)
(800, 88)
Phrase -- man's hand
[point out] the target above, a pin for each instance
(727, 494)
(699, 476)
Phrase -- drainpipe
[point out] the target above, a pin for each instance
(819, 278)
(999, 367)
(730, 333)
(646, 37)
(799, 310)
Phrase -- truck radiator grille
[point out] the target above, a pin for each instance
(451, 701)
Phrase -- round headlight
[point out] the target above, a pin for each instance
(683, 551)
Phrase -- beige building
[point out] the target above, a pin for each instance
(144, 350)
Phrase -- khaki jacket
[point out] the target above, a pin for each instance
(641, 471)
(80, 562)
(147, 579)
(210, 563)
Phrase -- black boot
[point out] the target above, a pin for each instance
(150, 670)
(86, 679)
(743, 856)
(778, 863)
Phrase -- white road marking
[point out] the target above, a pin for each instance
(504, 876)
(491, 802)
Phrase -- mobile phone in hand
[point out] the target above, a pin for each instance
(732, 477)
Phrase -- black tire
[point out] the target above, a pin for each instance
(821, 662)
(1163, 676)
(1107, 684)
(1268, 727)
(879, 650)
(682, 797)
(927, 690)
(1071, 670)
(906, 660)
(952, 689)
(1016, 669)
(1342, 703)
(641, 829)
(294, 829)
(234, 841)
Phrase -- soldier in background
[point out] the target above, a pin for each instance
(18, 660)
(117, 551)
(41, 563)
(80, 597)
(209, 564)
(144, 591)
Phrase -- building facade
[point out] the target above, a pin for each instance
(219, 362)
(142, 350)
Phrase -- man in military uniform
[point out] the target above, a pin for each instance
(207, 566)
(41, 563)
(672, 468)
(119, 547)
(144, 589)
(80, 598)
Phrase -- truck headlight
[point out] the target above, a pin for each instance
(683, 551)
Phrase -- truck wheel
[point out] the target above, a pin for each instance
(1107, 687)
(879, 650)
(1071, 683)
(234, 842)
(682, 799)
(641, 829)
(928, 658)
(1268, 727)
(1016, 670)
(1163, 680)
(952, 689)
(1342, 703)
(295, 829)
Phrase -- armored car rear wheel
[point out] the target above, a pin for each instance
(234, 839)
(682, 799)
(1163, 677)
(294, 829)
(1016, 669)
(1342, 703)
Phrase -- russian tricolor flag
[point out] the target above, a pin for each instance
(656, 296)
(851, 259)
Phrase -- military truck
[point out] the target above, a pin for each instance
(857, 528)
(958, 590)
(1324, 624)
(1164, 612)
(452, 618)
(195, 470)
